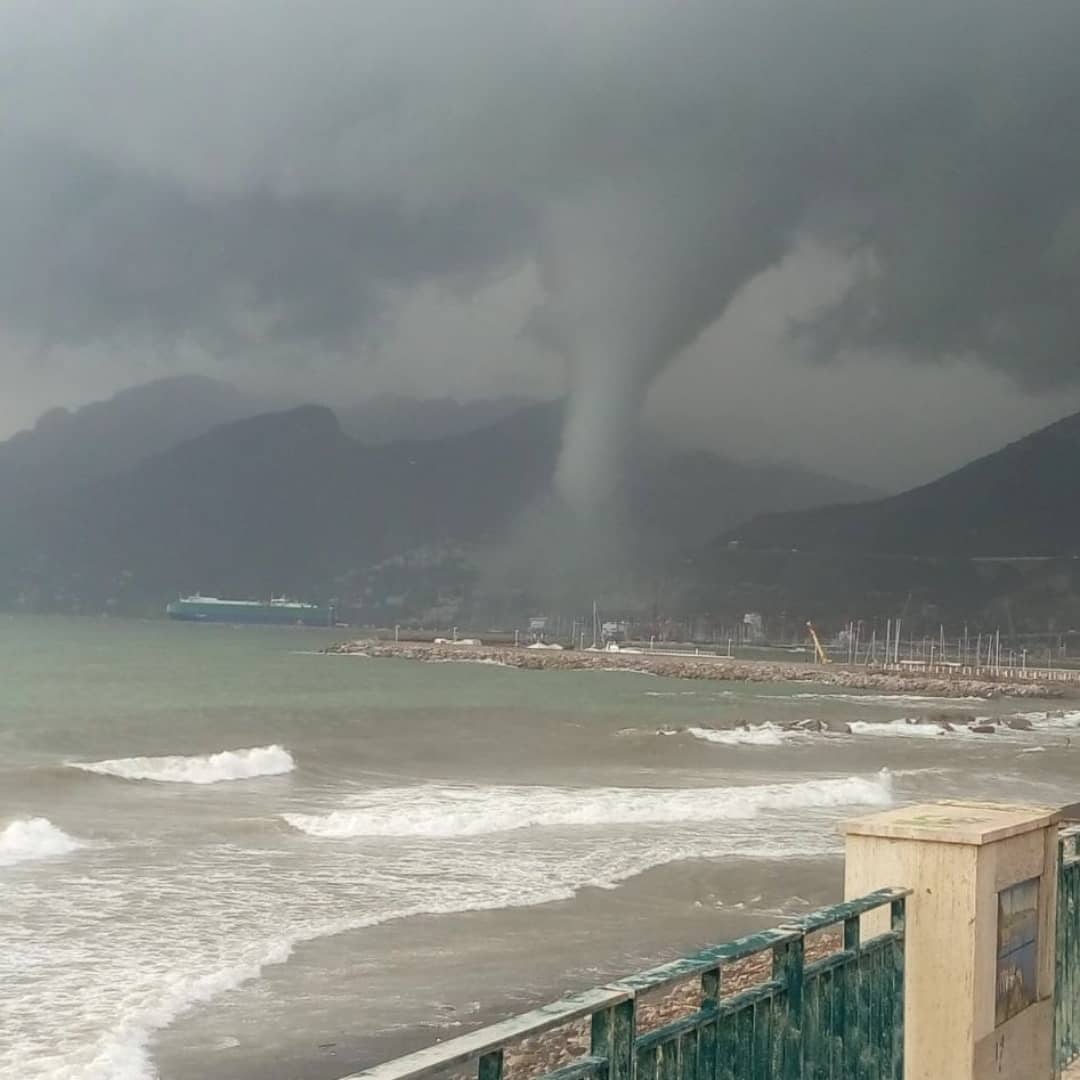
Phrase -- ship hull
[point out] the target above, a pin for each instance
(254, 614)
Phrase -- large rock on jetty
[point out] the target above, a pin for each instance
(699, 667)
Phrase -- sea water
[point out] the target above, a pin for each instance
(224, 854)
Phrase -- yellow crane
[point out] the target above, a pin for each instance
(822, 657)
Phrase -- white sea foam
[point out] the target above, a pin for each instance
(27, 839)
(898, 729)
(484, 661)
(903, 729)
(890, 700)
(442, 811)
(199, 769)
(750, 735)
(122, 1052)
(1051, 721)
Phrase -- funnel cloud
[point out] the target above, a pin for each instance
(264, 189)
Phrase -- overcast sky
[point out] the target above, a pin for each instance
(840, 231)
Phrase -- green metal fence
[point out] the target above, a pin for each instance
(1067, 974)
(840, 1015)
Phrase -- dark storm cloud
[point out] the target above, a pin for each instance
(250, 173)
(974, 229)
(105, 251)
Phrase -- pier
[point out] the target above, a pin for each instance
(936, 680)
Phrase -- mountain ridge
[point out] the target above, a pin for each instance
(66, 448)
(1017, 501)
(287, 501)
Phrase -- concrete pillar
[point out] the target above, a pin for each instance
(979, 964)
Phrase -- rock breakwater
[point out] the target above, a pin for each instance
(721, 669)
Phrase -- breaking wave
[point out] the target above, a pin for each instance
(1050, 721)
(484, 661)
(750, 735)
(199, 769)
(899, 700)
(904, 729)
(440, 811)
(27, 839)
(124, 1052)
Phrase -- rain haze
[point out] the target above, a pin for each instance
(837, 232)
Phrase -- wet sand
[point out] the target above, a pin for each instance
(464, 962)
(716, 668)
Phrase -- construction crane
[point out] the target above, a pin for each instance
(822, 657)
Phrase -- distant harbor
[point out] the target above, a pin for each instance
(898, 679)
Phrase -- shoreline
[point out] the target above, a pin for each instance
(485, 984)
(712, 668)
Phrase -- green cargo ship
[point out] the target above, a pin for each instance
(280, 612)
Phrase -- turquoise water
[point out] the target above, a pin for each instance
(222, 853)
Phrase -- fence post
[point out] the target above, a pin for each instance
(490, 1066)
(1067, 967)
(980, 933)
(898, 922)
(613, 1032)
(789, 960)
(850, 996)
(709, 1034)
